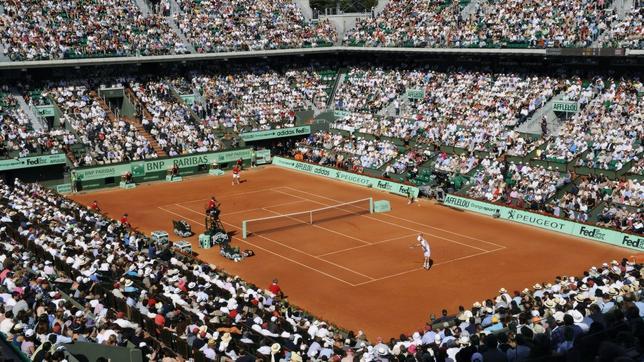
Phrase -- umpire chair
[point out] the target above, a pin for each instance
(213, 224)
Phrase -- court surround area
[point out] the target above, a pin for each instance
(360, 270)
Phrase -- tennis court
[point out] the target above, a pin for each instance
(355, 268)
(345, 242)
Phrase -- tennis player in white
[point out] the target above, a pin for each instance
(422, 242)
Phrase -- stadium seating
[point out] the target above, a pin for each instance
(259, 98)
(122, 28)
(462, 123)
(495, 24)
(19, 139)
(148, 297)
(33, 30)
(240, 25)
(108, 139)
(170, 121)
(607, 128)
(461, 109)
(516, 184)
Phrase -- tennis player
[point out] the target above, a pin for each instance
(236, 174)
(422, 242)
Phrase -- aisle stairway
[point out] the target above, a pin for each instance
(153, 142)
(533, 124)
(36, 122)
(133, 122)
(174, 9)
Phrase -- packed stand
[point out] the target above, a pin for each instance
(626, 32)
(19, 139)
(327, 148)
(207, 310)
(43, 308)
(37, 30)
(257, 99)
(368, 90)
(371, 153)
(582, 198)
(638, 166)
(518, 23)
(610, 126)
(107, 140)
(470, 109)
(574, 318)
(393, 127)
(242, 25)
(221, 316)
(519, 185)
(459, 108)
(408, 24)
(516, 144)
(409, 161)
(628, 192)
(461, 164)
(171, 122)
(621, 217)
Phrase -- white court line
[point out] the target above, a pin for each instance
(320, 227)
(289, 247)
(227, 196)
(390, 223)
(400, 218)
(266, 250)
(322, 272)
(433, 266)
(363, 246)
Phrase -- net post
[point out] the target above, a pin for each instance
(244, 230)
(371, 205)
(311, 217)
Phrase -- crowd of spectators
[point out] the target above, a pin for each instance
(410, 160)
(107, 139)
(217, 314)
(369, 89)
(394, 127)
(638, 167)
(627, 192)
(519, 185)
(626, 32)
(599, 313)
(458, 108)
(371, 153)
(588, 193)
(461, 164)
(620, 217)
(257, 99)
(32, 30)
(610, 126)
(19, 139)
(518, 23)
(171, 122)
(37, 30)
(238, 25)
(43, 309)
(327, 148)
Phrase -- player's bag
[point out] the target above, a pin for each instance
(220, 238)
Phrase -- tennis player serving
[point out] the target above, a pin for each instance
(422, 242)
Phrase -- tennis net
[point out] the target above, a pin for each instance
(310, 217)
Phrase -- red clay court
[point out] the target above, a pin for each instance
(359, 271)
